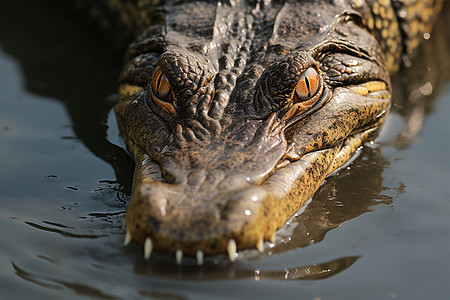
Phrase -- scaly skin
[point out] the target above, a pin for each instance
(208, 106)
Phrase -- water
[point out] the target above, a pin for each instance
(378, 230)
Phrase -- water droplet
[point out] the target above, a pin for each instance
(426, 89)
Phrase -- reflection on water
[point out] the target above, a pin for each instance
(57, 284)
(350, 194)
(210, 273)
(65, 193)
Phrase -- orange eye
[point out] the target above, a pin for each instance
(307, 86)
(306, 93)
(162, 94)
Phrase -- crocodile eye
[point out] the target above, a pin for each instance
(306, 93)
(307, 86)
(162, 94)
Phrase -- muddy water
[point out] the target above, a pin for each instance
(380, 229)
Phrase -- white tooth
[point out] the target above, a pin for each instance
(179, 256)
(272, 239)
(260, 246)
(148, 247)
(232, 250)
(127, 238)
(199, 257)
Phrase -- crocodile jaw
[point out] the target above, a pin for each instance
(180, 218)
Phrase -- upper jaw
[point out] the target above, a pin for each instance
(197, 195)
(179, 217)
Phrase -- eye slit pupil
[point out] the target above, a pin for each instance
(161, 92)
(160, 85)
(163, 86)
(307, 92)
(308, 85)
(158, 82)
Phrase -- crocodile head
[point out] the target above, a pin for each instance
(235, 118)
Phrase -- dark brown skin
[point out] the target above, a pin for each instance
(237, 114)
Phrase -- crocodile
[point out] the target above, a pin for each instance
(236, 111)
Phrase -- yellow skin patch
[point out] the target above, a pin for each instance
(368, 87)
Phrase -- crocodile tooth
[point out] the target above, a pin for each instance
(148, 247)
(199, 257)
(260, 246)
(272, 239)
(179, 256)
(127, 238)
(232, 254)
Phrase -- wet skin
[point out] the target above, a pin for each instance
(235, 120)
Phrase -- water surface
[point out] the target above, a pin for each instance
(380, 229)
